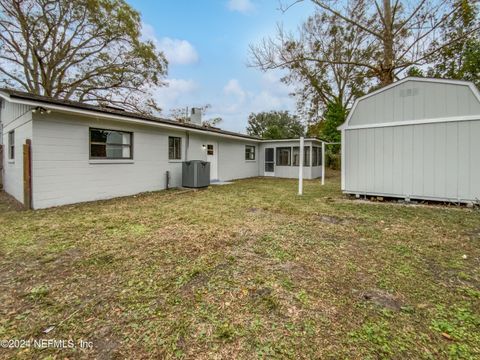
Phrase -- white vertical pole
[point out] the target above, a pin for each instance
(323, 163)
(300, 169)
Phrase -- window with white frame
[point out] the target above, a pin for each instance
(210, 149)
(249, 152)
(11, 145)
(110, 144)
(174, 148)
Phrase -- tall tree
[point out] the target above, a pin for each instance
(400, 33)
(461, 59)
(275, 125)
(326, 129)
(322, 61)
(85, 50)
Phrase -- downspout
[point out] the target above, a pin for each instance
(187, 144)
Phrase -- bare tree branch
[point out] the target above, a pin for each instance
(82, 49)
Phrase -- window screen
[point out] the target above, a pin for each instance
(316, 156)
(283, 156)
(296, 156)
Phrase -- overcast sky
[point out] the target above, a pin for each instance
(206, 43)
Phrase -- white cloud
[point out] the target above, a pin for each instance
(233, 87)
(177, 51)
(174, 94)
(237, 102)
(266, 101)
(242, 6)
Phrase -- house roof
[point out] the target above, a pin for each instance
(68, 105)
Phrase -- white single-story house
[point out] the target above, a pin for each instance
(58, 152)
(417, 138)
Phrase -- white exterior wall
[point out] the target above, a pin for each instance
(230, 156)
(436, 157)
(18, 118)
(232, 163)
(64, 174)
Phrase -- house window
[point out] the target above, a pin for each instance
(316, 156)
(283, 156)
(249, 152)
(11, 145)
(296, 156)
(110, 144)
(174, 148)
(210, 149)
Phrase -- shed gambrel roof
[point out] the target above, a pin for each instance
(413, 100)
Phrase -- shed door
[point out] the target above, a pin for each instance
(269, 162)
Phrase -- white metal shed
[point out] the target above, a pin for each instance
(415, 139)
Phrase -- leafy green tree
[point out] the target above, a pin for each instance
(275, 125)
(460, 59)
(84, 50)
(326, 129)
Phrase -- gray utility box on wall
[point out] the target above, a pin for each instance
(195, 174)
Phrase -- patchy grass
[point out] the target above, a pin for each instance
(242, 271)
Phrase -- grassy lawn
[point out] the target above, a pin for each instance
(243, 271)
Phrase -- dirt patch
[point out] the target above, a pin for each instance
(260, 293)
(107, 347)
(296, 270)
(383, 299)
(473, 234)
(8, 203)
(334, 220)
(197, 281)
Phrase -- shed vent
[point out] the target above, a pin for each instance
(408, 92)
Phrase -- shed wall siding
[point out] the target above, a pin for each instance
(437, 161)
(416, 100)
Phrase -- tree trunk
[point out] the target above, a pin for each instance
(386, 76)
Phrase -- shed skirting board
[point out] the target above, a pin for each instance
(410, 197)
